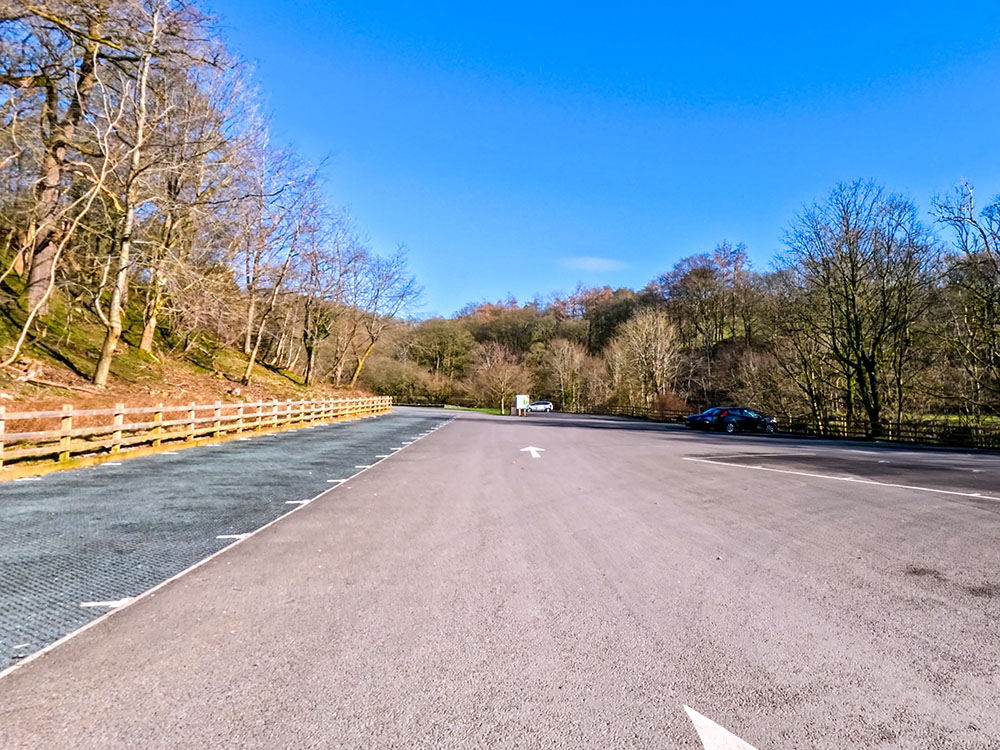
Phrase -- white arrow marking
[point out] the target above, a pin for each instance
(110, 605)
(535, 452)
(714, 737)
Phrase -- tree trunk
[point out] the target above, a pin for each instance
(248, 370)
(46, 240)
(251, 312)
(361, 363)
(115, 308)
(310, 363)
(148, 332)
(45, 248)
(120, 289)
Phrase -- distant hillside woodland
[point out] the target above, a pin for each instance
(142, 194)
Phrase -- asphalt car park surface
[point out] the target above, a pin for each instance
(75, 543)
(635, 585)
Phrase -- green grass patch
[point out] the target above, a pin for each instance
(480, 409)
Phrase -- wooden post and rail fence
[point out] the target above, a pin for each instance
(95, 432)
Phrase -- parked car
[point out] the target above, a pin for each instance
(731, 419)
(540, 406)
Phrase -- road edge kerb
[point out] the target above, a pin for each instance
(9, 474)
(153, 590)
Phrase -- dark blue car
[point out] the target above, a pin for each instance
(731, 419)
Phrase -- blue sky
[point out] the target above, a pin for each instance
(523, 149)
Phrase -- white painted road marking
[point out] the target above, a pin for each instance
(714, 737)
(336, 481)
(29, 479)
(363, 466)
(764, 455)
(110, 605)
(296, 502)
(232, 536)
(856, 480)
(535, 452)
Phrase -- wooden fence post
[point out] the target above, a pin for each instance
(158, 430)
(65, 426)
(274, 418)
(116, 436)
(260, 417)
(191, 425)
(3, 425)
(239, 420)
(217, 424)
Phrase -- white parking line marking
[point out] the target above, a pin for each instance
(714, 737)
(296, 502)
(29, 479)
(111, 604)
(336, 481)
(856, 480)
(232, 536)
(111, 463)
(382, 455)
(363, 466)
(765, 455)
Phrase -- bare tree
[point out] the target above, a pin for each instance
(643, 357)
(53, 49)
(328, 263)
(865, 264)
(564, 361)
(389, 290)
(973, 330)
(497, 374)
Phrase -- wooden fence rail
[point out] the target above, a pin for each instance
(107, 431)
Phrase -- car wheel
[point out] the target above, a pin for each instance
(769, 428)
(730, 427)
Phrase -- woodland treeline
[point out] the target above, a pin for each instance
(141, 192)
(867, 319)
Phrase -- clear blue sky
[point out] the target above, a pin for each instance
(524, 148)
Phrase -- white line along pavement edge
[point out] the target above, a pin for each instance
(112, 604)
(856, 480)
(149, 592)
(714, 737)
